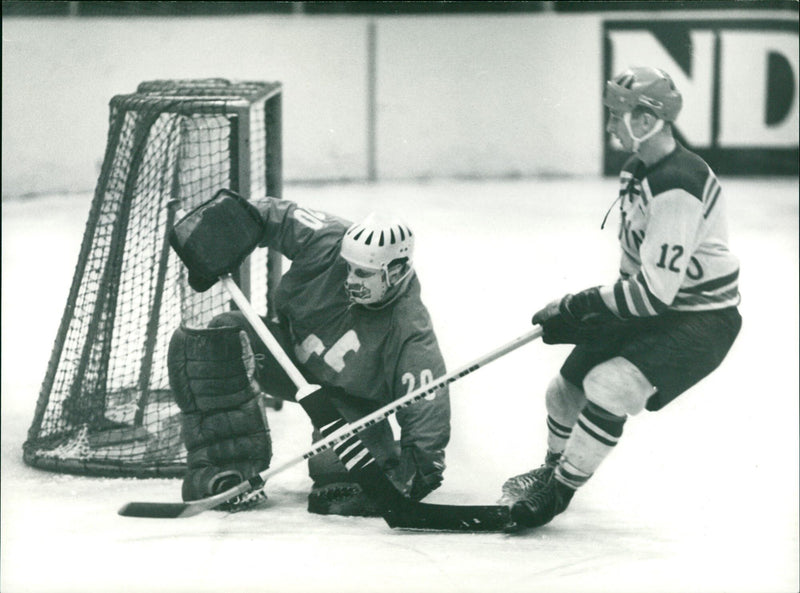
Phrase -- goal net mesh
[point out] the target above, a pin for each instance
(105, 406)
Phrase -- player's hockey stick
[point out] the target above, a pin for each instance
(403, 513)
(396, 509)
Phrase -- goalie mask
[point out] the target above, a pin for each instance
(379, 253)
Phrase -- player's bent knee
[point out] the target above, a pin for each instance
(564, 400)
(618, 386)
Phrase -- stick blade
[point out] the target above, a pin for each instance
(159, 510)
(443, 517)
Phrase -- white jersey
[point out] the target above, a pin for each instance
(674, 239)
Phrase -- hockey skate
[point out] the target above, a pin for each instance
(342, 498)
(243, 502)
(517, 488)
(542, 502)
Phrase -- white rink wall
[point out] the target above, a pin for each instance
(376, 98)
(488, 96)
(59, 75)
(451, 100)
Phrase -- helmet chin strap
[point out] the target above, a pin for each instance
(397, 280)
(393, 291)
(637, 142)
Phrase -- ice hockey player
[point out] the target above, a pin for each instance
(668, 320)
(351, 317)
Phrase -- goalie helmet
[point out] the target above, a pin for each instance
(377, 241)
(373, 245)
(644, 87)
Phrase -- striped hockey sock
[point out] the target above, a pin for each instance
(595, 434)
(557, 435)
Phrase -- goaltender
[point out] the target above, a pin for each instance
(350, 315)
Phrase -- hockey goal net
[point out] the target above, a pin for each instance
(105, 407)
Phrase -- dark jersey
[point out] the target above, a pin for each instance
(674, 240)
(376, 354)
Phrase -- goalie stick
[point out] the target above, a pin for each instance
(398, 511)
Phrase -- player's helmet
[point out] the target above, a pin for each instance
(644, 87)
(377, 241)
(375, 244)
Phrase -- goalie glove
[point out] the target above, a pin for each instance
(576, 318)
(216, 237)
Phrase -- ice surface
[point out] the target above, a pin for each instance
(702, 496)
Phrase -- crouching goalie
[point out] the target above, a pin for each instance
(351, 319)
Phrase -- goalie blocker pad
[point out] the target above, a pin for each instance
(216, 237)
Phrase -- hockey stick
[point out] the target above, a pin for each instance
(398, 510)
(410, 514)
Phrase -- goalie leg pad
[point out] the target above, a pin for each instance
(224, 428)
(271, 377)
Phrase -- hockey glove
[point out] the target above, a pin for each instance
(417, 473)
(575, 319)
(216, 237)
